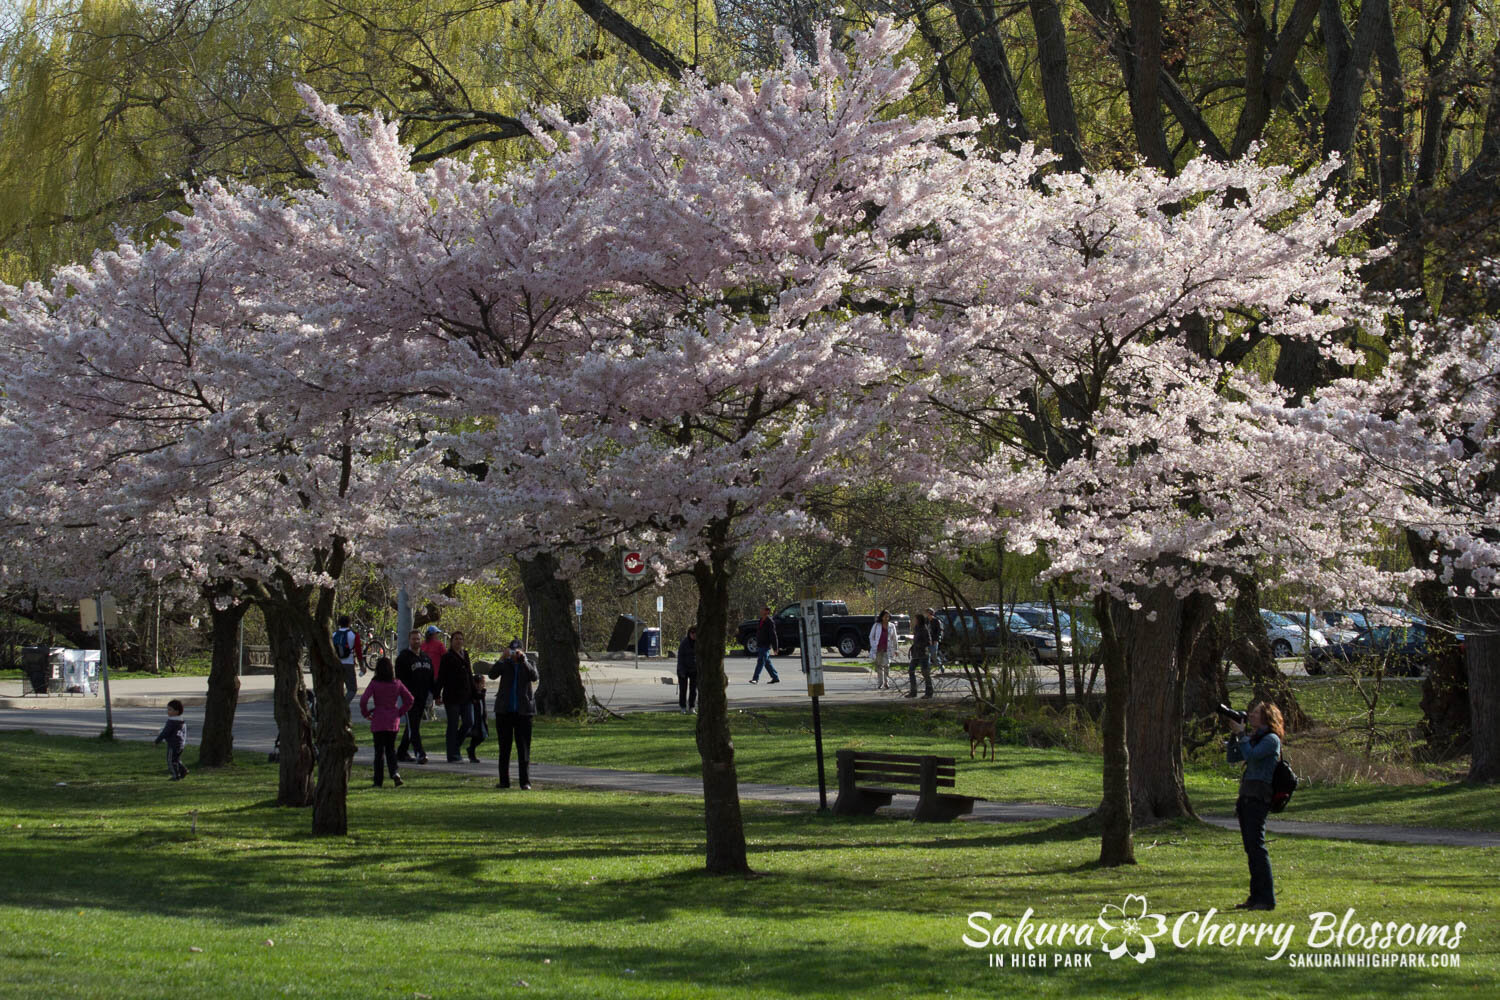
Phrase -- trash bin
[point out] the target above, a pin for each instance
(650, 642)
(622, 639)
(36, 667)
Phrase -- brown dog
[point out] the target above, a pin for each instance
(980, 731)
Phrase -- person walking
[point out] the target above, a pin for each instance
(455, 683)
(765, 646)
(174, 735)
(935, 639)
(384, 702)
(921, 643)
(882, 649)
(349, 650)
(687, 672)
(432, 645)
(1257, 742)
(414, 669)
(515, 708)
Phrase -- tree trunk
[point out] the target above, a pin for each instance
(1116, 842)
(721, 789)
(293, 722)
(1346, 91)
(1484, 705)
(335, 738)
(1250, 650)
(1057, 91)
(987, 51)
(560, 691)
(1445, 689)
(1480, 620)
(1152, 647)
(1144, 84)
(1205, 686)
(216, 745)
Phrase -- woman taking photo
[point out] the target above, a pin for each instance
(1257, 742)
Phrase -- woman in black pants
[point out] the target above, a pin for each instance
(515, 707)
(1257, 742)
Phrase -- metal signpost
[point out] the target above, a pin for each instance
(661, 642)
(877, 563)
(99, 613)
(578, 613)
(812, 666)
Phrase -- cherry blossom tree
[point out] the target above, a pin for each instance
(232, 438)
(1428, 426)
(1107, 416)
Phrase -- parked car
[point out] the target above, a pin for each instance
(849, 634)
(1403, 648)
(1039, 616)
(1019, 634)
(1289, 637)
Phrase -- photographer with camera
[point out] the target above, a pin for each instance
(1256, 741)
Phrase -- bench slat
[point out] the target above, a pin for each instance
(861, 755)
(860, 777)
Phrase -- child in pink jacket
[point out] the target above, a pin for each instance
(384, 703)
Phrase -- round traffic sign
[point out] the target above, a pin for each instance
(875, 559)
(635, 564)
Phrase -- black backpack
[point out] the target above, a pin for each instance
(343, 645)
(1283, 784)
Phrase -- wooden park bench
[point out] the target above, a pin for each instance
(868, 781)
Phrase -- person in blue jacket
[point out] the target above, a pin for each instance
(1257, 742)
(174, 734)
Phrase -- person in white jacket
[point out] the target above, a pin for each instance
(883, 648)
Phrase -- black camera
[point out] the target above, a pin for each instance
(1232, 715)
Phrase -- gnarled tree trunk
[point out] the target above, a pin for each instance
(1152, 638)
(293, 721)
(721, 790)
(556, 641)
(216, 746)
(1445, 689)
(1480, 620)
(334, 735)
(1116, 842)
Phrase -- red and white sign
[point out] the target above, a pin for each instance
(634, 565)
(877, 561)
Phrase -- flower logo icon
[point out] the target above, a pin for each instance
(1128, 929)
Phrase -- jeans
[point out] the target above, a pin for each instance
(919, 659)
(1252, 816)
(460, 721)
(935, 656)
(510, 725)
(385, 754)
(763, 661)
(687, 690)
(412, 737)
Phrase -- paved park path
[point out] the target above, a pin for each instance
(138, 716)
(604, 779)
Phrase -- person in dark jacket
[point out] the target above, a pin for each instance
(1257, 742)
(765, 641)
(414, 669)
(174, 734)
(921, 644)
(935, 639)
(456, 693)
(515, 707)
(687, 672)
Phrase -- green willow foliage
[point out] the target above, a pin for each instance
(108, 107)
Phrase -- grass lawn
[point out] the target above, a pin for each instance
(448, 888)
(775, 745)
